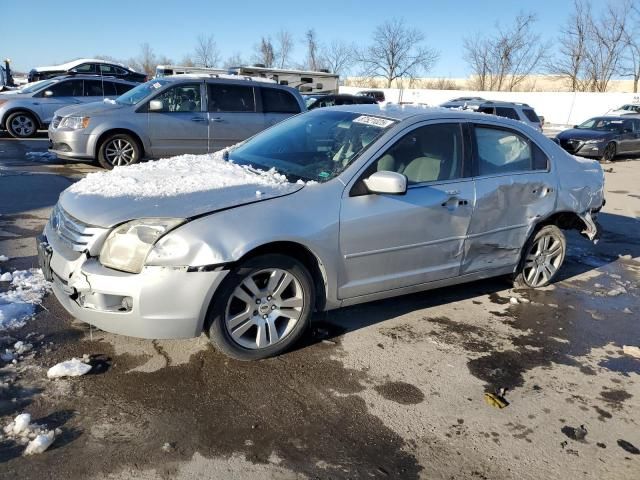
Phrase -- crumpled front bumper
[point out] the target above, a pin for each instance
(159, 302)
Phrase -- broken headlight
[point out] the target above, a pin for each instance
(128, 245)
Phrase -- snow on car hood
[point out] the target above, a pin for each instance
(177, 187)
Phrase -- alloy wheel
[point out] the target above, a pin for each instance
(264, 308)
(609, 152)
(23, 125)
(543, 260)
(119, 152)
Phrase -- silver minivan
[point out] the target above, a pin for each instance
(170, 116)
(23, 112)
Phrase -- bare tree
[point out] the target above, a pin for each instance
(206, 52)
(264, 53)
(632, 57)
(338, 56)
(504, 60)
(234, 60)
(146, 60)
(284, 45)
(313, 51)
(187, 61)
(396, 52)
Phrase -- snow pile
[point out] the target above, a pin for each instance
(3, 258)
(170, 177)
(36, 437)
(70, 368)
(6, 277)
(18, 304)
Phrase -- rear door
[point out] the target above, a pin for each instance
(233, 115)
(628, 137)
(181, 126)
(278, 104)
(515, 187)
(395, 241)
(63, 93)
(97, 90)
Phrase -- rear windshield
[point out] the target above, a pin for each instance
(531, 115)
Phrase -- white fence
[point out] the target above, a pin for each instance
(558, 108)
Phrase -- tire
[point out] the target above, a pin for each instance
(117, 150)
(609, 153)
(241, 317)
(21, 124)
(542, 257)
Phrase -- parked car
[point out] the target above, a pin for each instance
(334, 207)
(87, 66)
(470, 103)
(626, 109)
(23, 112)
(513, 110)
(170, 116)
(602, 137)
(319, 101)
(377, 95)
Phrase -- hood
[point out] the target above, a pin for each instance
(177, 187)
(90, 109)
(584, 134)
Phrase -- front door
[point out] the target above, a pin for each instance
(233, 116)
(514, 189)
(181, 126)
(394, 241)
(58, 95)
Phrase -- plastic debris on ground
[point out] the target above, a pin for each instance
(495, 400)
(69, 368)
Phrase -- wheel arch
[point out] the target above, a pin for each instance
(114, 131)
(305, 256)
(3, 121)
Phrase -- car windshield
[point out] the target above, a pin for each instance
(316, 146)
(602, 123)
(140, 92)
(35, 86)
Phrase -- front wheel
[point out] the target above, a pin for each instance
(543, 257)
(21, 125)
(609, 152)
(262, 307)
(118, 150)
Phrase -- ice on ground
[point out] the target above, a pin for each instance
(41, 155)
(184, 174)
(40, 443)
(17, 305)
(70, 368)
(6, 277)
(21, 423)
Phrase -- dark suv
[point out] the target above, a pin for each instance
(319, 101)
(87, 66)
(377, 95)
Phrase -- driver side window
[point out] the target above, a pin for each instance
(427, 154)
(181, 98)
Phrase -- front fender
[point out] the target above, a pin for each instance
(107, 126)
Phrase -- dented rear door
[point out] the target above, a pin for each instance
(515, 187)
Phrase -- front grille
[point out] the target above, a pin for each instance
(571, 145)
(76, 234)
(56, 121)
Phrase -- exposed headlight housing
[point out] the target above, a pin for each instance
(128, 245)
(74, 123)
(593, 142)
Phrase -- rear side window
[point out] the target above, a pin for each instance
(278, 101)
(503, 151)
(531, 115)
(93, 88)
(122, 88)
(85, 68)
(487, 110)
(230, 98)
(507, 113)
(67, 88)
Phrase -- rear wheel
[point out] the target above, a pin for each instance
(119, 150)
(609, 152)
(543, 256)
(261, 308)
(21, 125)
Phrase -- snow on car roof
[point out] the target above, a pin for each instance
(75, 63)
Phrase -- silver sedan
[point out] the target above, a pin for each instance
(330, 208)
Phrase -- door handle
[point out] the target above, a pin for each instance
(454, 202)
(217, 119)
(198, 119)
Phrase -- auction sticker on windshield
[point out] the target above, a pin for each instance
(377, 121)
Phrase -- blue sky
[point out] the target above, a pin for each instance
(42, 32)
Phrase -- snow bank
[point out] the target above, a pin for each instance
(18, 304)
(70, 368)
(175, 176)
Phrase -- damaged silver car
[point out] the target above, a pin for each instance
(330, 208)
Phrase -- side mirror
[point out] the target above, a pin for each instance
(575, 126)
(48, 93)
(386, 182)
(156, 106)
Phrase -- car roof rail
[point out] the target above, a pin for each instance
(223, 76)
